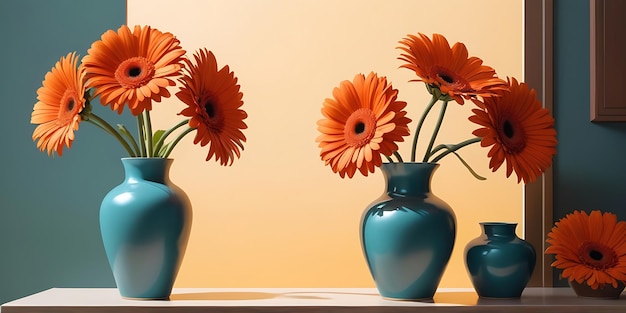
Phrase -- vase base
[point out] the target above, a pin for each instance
(146, 299)
(428, 300)
(498, 298)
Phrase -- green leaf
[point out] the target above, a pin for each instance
(157, 136)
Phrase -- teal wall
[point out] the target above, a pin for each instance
(589, 167)
(49, 233)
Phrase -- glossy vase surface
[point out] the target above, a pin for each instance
(145, 224)
(498, 262)
(408, 233)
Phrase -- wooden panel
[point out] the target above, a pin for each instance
(538, 60)
(607, 60)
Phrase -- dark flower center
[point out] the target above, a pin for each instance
(359, 127)
(211, 117)
(209, 109)
(511, 135)
(69, 107)
(508, 130)
(450, 79)
(446, 78)
(597, 255)
(134, 72)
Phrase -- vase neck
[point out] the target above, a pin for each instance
(408, 179)
(499, 230)
(150, 169)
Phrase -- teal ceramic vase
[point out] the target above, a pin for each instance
(145, 223)
(498, 262)
(408, 233)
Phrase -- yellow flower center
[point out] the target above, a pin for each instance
(360, 127)
(134, 72)
(597, 255)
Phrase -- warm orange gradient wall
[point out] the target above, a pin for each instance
(278, 217)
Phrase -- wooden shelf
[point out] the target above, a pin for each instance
(259, 300)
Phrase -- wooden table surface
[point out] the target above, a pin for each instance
(270, 300)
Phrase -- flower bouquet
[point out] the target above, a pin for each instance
(145, 221)
(590, 248)
(364, 120)
(131, 69)
(408, 233)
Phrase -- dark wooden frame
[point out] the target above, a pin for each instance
(538, 73)
(607, 63)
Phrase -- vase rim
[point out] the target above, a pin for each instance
(497, 223)
(410, 164)
(405, 162)
(146, 158)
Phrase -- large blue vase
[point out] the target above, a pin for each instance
(498, 262)
(145, 223)
(408, 233)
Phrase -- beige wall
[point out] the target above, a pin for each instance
(278, 217)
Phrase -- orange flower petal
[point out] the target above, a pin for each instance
(213, 104)
(363, 121)
(589, 248)
(133, 68)
(449, 69)
(519, 130)
(61, 100)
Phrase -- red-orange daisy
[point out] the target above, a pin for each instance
(590, 248)
(60, 102)
(213, 102)
(520, 131)
(133, 67)
(362, 122)
(448, 71)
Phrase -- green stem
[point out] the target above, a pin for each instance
(96, 120)
(430, 105)
(453, 148)
(124, 132)
(397, 154)
(175, 142)
(161, 141)
(442, 113)
(141, 135)
(389, 158)
(147, 123)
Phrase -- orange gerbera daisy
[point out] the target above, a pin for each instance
(590, 248)
(214, 100)
(61, 99)
(133, 67)
(520, 130)
(363, 121)
(448, 72)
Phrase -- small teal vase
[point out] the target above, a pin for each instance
(145, 223)
(408, 233)
(498, 262)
